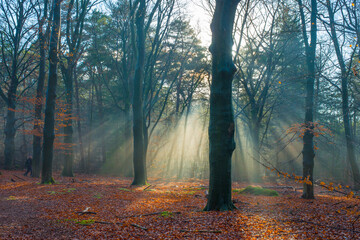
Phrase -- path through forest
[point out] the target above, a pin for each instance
(97, 207)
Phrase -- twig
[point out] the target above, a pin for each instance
(338, 203)
(147, 187)
(138, 226)
(147, 214)
(19, 177)
(81, 213)
(86, 211)
(201, 231)
(283, 187)
(101, 222)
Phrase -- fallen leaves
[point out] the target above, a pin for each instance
(171, 210)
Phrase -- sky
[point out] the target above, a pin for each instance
(200, 20)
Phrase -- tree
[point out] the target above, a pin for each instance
(42, 42)
(75, 18)
(49, 132)
(257, 75)
(138, 115)
(310, 51)
(18, 62)
(221, 125)
(345, 72)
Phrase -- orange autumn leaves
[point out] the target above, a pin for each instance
(165, 210)
(61, 118)
(314, 128)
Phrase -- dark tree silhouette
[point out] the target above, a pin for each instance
(138, 117)
(310, 51)
(49, 133)
(221, 126)
(42, 38)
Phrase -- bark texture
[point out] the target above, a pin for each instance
(39, 96)
(221, 126)
(138, 115)
(49, 133)
(308, 149)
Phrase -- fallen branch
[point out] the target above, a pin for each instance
(81, 213)
(138, 226)
(101, 222)
(86, 211)
(280, 187)
(201, 231)
(147, 214)
(19, 177)
(147, 187)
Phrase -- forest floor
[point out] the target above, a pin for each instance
(98, 207)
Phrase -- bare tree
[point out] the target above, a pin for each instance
(350, 20)
(76, 13)
(310, 51)
(49, 132)
(42, 16)
(17, 62)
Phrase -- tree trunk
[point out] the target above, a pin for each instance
(221, 125)
(39, 98)
(126, 145)
(308, 149)
(181, 169)
(81, 145)
(10, 132)
(100, 106)
(255, 136)
(49, 133)
(90, 130)
(138, 115)
(68, 129)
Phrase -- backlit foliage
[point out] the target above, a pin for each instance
(61, 117)
(314, 128)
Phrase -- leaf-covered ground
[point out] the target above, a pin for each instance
(97, 207)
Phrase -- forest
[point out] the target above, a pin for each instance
(171, 119)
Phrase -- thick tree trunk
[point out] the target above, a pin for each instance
(39, 99)
(221, 125)
(345, 103)
(308, 149)
(10, 132)
(126, 144)
(138, 115)
(49, 133)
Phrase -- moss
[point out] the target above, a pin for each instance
(10, 198)
(190, 192)
(258, 191)
(98, 195)
(166, 214)
(86, 222)
(51, 181)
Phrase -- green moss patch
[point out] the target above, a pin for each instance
(257, 191)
